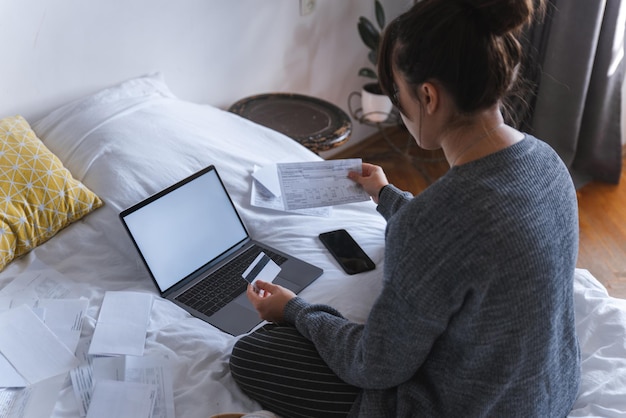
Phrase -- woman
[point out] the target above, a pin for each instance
(475, 317)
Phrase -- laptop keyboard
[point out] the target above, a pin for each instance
(216, 290)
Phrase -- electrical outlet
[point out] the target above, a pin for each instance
(307, 7)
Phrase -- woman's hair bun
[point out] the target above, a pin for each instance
(504, 16)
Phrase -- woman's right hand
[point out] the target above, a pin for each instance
(269, 300)
(372, 179)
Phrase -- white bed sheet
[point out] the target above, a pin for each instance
(132, 140)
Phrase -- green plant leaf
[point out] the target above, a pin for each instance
(368, 32)
(380, 14)
(372, 56)
(368, 72)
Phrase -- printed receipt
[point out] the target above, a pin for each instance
(319, 183)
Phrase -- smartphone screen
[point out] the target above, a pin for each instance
(346, 251)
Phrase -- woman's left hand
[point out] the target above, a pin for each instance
(269, 299)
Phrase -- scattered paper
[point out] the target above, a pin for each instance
(122, 324)
(40, 329)
(268, 177)
(65, 318)
(8, 401)
(82, 386)
(319, 183)
(33, 401)
(31, 347)
(121, 400)
(9, 377)
(37, 284)
(5, 303)
(150, 370)
(261, 197)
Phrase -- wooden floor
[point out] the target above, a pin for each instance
(602, 207)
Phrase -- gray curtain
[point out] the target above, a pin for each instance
(575, 75)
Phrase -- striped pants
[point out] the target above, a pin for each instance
(280, 369)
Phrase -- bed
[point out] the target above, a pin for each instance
(133, 139)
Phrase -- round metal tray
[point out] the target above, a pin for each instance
(314, 123)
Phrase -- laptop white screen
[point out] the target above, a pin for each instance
(183, 230)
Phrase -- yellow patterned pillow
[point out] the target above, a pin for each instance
(38, 195)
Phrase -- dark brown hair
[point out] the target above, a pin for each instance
(469, 46)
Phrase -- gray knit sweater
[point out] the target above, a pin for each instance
(476, 313)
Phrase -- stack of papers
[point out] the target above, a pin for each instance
(307, 187)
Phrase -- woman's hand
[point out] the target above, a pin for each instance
(269, 299)
(373, 179)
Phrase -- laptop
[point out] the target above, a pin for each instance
(196, 248)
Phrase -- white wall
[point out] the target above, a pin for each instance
(210, 51)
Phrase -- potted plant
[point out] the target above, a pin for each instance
(375, 105)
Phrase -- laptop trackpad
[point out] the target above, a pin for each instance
(294, 287)
(242, 300)
(235, 320)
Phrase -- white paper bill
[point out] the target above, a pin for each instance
(31, 347)
(122, 324)
(263, 198)
(113, 398)
(319, 183)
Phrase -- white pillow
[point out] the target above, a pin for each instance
(131, 140)
(65, 130)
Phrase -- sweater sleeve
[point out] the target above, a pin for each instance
(391, 199)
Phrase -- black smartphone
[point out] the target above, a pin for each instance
(346, 251)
